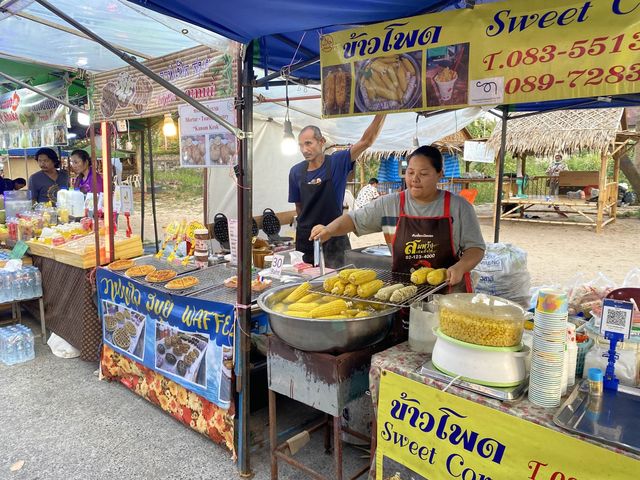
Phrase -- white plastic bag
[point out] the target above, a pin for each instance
(61, 348)
(503, 273)
(632, 279)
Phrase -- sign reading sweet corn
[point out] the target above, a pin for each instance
(426, 434)
(497, 53)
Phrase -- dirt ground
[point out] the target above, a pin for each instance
(556, 253)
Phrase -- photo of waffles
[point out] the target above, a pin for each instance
(160, 276)
(177, 353)
(140, 100)
(120, 265)
(108, 101)
(130, 328)
(120, 322)
(139, 271)
(182, 283)
(121, 338)
(110, 323)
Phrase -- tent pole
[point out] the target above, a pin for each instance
(500, 174)
(43, 93)
(142, 68)
(107, 189)
(94, 188)
(245, 209)
(142, 186)
(153, 186)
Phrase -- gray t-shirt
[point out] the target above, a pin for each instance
(43, 189)
(381, 215)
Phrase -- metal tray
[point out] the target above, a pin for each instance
(612, 418)
(508, 394)
(389, 278)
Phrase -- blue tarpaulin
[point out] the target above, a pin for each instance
(287, 32)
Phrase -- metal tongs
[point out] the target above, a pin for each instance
(318, 255)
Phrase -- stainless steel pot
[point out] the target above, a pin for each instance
(330, 336)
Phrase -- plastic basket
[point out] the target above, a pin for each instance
(583, 348)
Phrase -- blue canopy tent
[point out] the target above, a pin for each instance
(281, 35)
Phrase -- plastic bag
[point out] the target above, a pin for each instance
(626, 361)
(61, 348)
(584, 295)
(503, 273)
(632, 279)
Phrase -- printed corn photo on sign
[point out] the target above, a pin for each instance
(496, 53)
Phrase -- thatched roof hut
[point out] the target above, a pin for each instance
(564, 131)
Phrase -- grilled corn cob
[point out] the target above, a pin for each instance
(303, 307)
(338, 288)
(403, 294)
(332, 308)
(369, 289)
(326, 299)
(311, 297)
(362, 276)
(351, 312)
(329, 283)
(298, 313)
(344, 274)
(419, 277)
(385, 292)
(334, 317)
(350, 290)
(437, 276)
(362, 314)
(298, 293)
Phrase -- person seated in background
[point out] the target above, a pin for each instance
(553, 171)
(367, 193)
(6, 184)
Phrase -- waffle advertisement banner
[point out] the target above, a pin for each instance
(186, 340)
(27, 119)
(424, 433)
(495, 53)
(125, 93)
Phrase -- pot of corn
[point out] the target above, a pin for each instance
(314, 322)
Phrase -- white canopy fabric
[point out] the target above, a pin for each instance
(35, 34)
(271, 167)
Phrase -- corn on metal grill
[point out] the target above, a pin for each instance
(389, 278)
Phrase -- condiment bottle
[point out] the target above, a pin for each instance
(595, 382)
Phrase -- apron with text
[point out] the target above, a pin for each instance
(319, 207)
(426, 242)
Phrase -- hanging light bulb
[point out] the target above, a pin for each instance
(288, 146)
(416, 142)
(84, 119)
(169, 126)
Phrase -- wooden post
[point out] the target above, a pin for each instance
(602, 185)
(616, 179)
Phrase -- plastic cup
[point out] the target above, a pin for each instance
(552, 301)
(446, 88)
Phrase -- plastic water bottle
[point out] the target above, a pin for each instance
(38, 286)
(17, 344)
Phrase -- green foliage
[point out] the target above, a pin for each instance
(180, 183)
(481, 127)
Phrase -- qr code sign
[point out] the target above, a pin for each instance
(616, 318)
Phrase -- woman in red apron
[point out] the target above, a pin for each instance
(423, 226)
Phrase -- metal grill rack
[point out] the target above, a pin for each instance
(228, 295)
(389, 278)
(209, 278)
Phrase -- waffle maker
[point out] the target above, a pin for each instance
(221, 230)
(271, 226)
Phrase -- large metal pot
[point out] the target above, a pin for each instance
(330, 336)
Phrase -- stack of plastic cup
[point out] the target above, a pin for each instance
(549, 343)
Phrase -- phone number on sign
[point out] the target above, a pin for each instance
(575, 78)
(594, 47)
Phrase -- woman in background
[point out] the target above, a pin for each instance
(81, 166)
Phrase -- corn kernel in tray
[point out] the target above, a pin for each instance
(479, 330)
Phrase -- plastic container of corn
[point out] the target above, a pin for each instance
(482, 319)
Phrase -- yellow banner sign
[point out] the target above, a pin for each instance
(426, 434)
(498, 53)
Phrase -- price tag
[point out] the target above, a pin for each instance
(19, 250)
(233, 240)
(276, 265)
(616, 317)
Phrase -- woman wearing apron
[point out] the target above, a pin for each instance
(423, 226)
